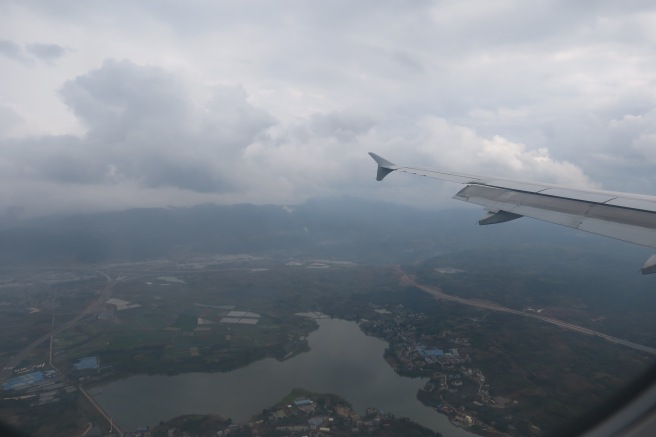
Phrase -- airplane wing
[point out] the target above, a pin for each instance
(623, 216)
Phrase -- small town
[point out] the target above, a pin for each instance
(299, 414)
(455, 388)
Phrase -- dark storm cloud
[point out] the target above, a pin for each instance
(61, 158)
(121, 97)
(140, 130)
(47, 53)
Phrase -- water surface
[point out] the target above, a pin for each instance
(342, 360)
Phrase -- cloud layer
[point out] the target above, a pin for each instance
(118, 105)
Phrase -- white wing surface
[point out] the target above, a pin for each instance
(626, 217)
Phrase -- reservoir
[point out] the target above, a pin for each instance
(342, 360)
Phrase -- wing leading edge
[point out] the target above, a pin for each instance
(623, 216)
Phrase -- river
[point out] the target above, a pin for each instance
(342, 360)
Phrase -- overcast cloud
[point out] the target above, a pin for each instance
(110, 105)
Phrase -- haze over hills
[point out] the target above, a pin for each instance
(348, 228)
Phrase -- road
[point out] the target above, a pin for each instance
(437, 293)
(7, 371)
(90, 309)
(93, 307)
(114, 426)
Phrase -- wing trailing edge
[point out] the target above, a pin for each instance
(623, 216)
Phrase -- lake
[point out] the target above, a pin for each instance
(342, 360)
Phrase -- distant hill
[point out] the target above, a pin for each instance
(348, 228)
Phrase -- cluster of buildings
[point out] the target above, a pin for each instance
(321, 417)
(407, 354)
(36, 387)
(87, 363)
(311, 416)
(39, 385)
(213, 314)
(448, 367)
(305, 415)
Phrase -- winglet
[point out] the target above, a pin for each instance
(384, 166)
(650, 266)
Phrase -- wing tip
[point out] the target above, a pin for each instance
(650, 266)
(385, 167)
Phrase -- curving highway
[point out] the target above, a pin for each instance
(437, 293)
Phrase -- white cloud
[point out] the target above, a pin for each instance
(279, 102)
(458, 147)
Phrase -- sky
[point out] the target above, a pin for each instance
(109, 105)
